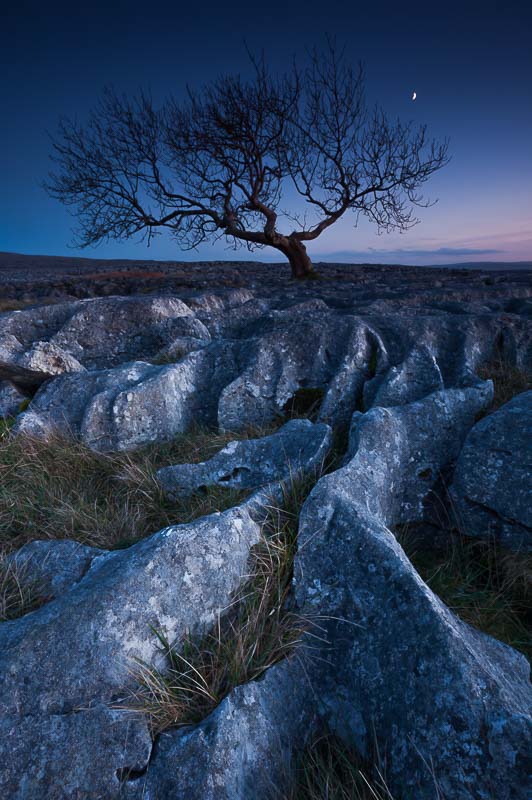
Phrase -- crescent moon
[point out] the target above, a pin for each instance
(414, 95)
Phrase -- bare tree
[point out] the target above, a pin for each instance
(219, 163)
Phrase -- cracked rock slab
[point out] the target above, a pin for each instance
(289, 453)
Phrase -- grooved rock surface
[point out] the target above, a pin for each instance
(131, 405)
(81, 647)
(53, 567)
(289, 454)
(450, 707)
(492, 483)
(388, 358)
(241, 358)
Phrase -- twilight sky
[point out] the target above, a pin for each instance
(470, 63)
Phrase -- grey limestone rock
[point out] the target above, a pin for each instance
(242, 751)
(107, 331)
(279, 363)
(81, 647)
(291, 452)
(492, 483)
(40, 342)
(54, 566)
(49, 359)
(417, 376)
(10, 400)
(76, 756)
(450, 707)
(131, 405)
(404, 449)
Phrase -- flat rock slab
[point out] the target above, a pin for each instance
(492, 483)
(293, 451)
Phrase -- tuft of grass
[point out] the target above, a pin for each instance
(328, 770)
(305, 403)
(508, 381)
(486, 586)
(19, 594)
(60, 489)
(254, 633)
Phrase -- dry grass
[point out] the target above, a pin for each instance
(257, 631)
(19, 594)
(304, 404)
(59, 489)
(486, 586)
(508, 381)
(11, 304)
(327, 770)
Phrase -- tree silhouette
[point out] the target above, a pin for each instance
(220, 162)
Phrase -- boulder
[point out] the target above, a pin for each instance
(54, 566)
(290, 453)
(83, 754)
(134, 404)
(492, 483)
(81, 648)
(11, 400)
(449, 708)
(242, 751)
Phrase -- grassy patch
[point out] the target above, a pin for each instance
(19, 594)
(508, 381)
(327, 770)
(484, 585)
(59, 489)
(257, 631)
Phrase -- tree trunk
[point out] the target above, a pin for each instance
(297, 255)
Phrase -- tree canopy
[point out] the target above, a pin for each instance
(222, 161)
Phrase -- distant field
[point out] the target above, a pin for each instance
(18, 262)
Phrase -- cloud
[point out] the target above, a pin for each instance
(372, 252)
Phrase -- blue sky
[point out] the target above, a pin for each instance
(471, 65)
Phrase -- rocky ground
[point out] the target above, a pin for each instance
(383, 374)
